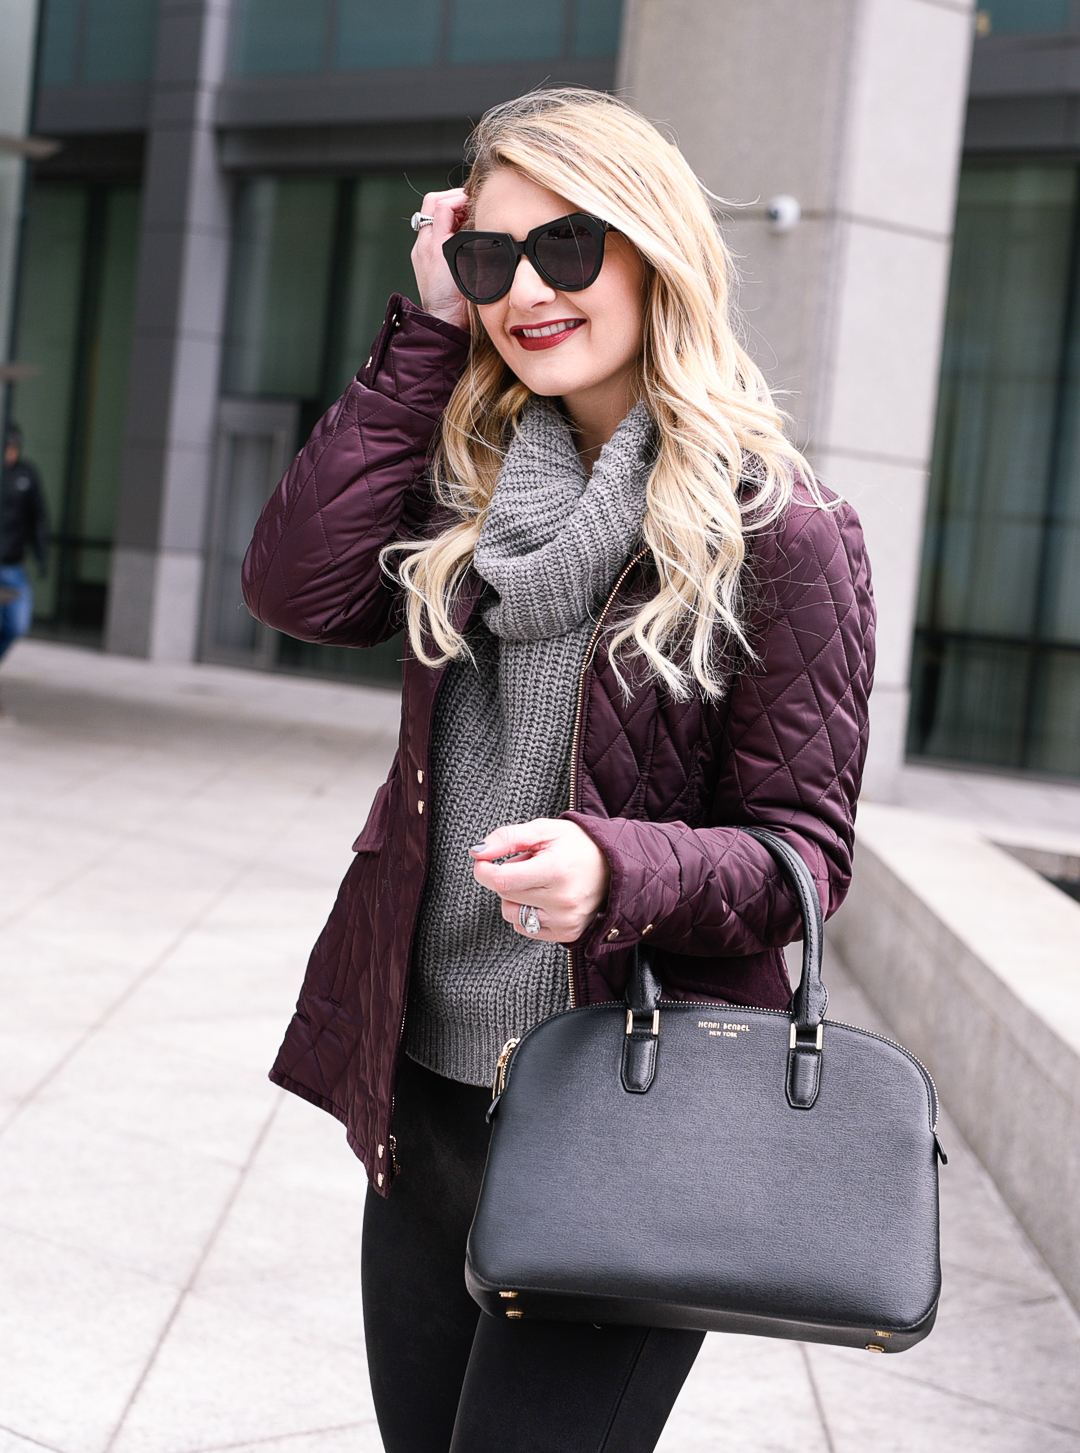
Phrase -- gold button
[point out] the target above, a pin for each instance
(382, 1151)
(419, 775)
(420, 806)
(613, 934)
(380, 1178)
(646, 929)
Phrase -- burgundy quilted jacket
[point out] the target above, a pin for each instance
(660, 785)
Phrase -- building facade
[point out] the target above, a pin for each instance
(206, 260)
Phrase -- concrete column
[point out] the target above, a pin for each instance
(156, 586)
(855, 108)
(18, 24)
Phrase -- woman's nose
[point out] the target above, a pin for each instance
(528, 287)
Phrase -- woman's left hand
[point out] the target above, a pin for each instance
(556, 869)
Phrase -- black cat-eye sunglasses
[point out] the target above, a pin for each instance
(567, 253)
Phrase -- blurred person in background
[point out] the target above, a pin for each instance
(24, 526)
(633, 622)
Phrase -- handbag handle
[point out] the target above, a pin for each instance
(807, 1006)
(811, 997)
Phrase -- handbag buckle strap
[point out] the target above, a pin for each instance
(631, 1028)
(804, 1065)
(797, 1043)
(639, 1051)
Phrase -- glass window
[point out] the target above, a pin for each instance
(49, 291)
(105, 417)
(279, 37)
(97, 42)
(278, 297)
(371, 33)
(75, 317)
(314, 263)
(59, 42)
(596, 28)
(997, 656)
(492, 30)
(1018, 17)
(118, 42)
(375, 265)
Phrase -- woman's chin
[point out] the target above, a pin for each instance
(550, 381)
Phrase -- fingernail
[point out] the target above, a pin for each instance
(477, 847)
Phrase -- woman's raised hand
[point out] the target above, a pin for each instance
(438, 292)
(558, 870)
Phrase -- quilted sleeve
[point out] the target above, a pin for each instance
(791, 758)
(312, 568)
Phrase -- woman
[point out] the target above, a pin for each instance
(633, 622)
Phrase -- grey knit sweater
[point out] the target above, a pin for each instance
(550, 549)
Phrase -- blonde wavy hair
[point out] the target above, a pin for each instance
(724, 467)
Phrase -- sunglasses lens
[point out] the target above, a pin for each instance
(568, 253)
(483, 267)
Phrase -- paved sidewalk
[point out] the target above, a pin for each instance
(180, 1240)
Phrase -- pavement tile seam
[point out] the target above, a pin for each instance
(282, 1437)
(116, 842)
(1047, 1299)
(88, 1035)
(960, 1268)
(174, 944)
(58, 886)
(215, 1232)
(31, 1442)
(139, 839)
(219, 1300)
(815, 1393)
(104, 1258)
(136, 1136)
(137, 833)
(194, 712)
(974, 1400)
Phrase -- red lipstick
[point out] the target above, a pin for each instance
(564, 328)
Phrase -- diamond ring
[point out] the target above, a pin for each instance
(529, 919)
(420, 219)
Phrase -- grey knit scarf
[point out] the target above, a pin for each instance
(552, 544)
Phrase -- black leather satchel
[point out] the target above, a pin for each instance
(674, 1164)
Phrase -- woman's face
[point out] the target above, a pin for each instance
(591, 360)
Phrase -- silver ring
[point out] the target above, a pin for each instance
(420, 219)
(529, 919)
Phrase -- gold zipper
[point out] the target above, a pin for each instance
(934, 1104)
(391, 1139)
(500, 1067)
(577, 728)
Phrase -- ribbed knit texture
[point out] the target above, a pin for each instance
(552, 545)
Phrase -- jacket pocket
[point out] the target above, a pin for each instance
(373, 834)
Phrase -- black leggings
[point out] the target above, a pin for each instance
(450, 1379)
